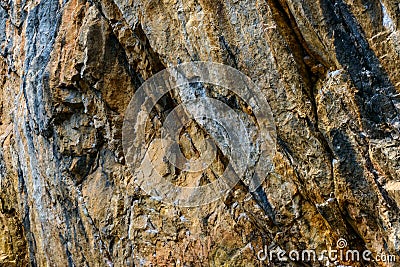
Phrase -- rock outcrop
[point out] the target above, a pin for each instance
(328, 68)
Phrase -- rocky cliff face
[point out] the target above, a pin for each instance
(328, 68)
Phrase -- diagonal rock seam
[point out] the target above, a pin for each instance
(68, 70)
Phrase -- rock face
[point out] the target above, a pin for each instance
(328, 68)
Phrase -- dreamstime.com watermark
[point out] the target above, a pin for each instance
(245, 136)
(339, 256)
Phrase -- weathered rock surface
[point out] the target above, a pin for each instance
(329, 69)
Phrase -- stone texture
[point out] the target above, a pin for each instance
(329, 69)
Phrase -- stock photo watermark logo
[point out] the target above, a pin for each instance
(244, 137)
(338, 256)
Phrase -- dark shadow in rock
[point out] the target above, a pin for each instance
(375, 90)
(261, 198)
(349, 167)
